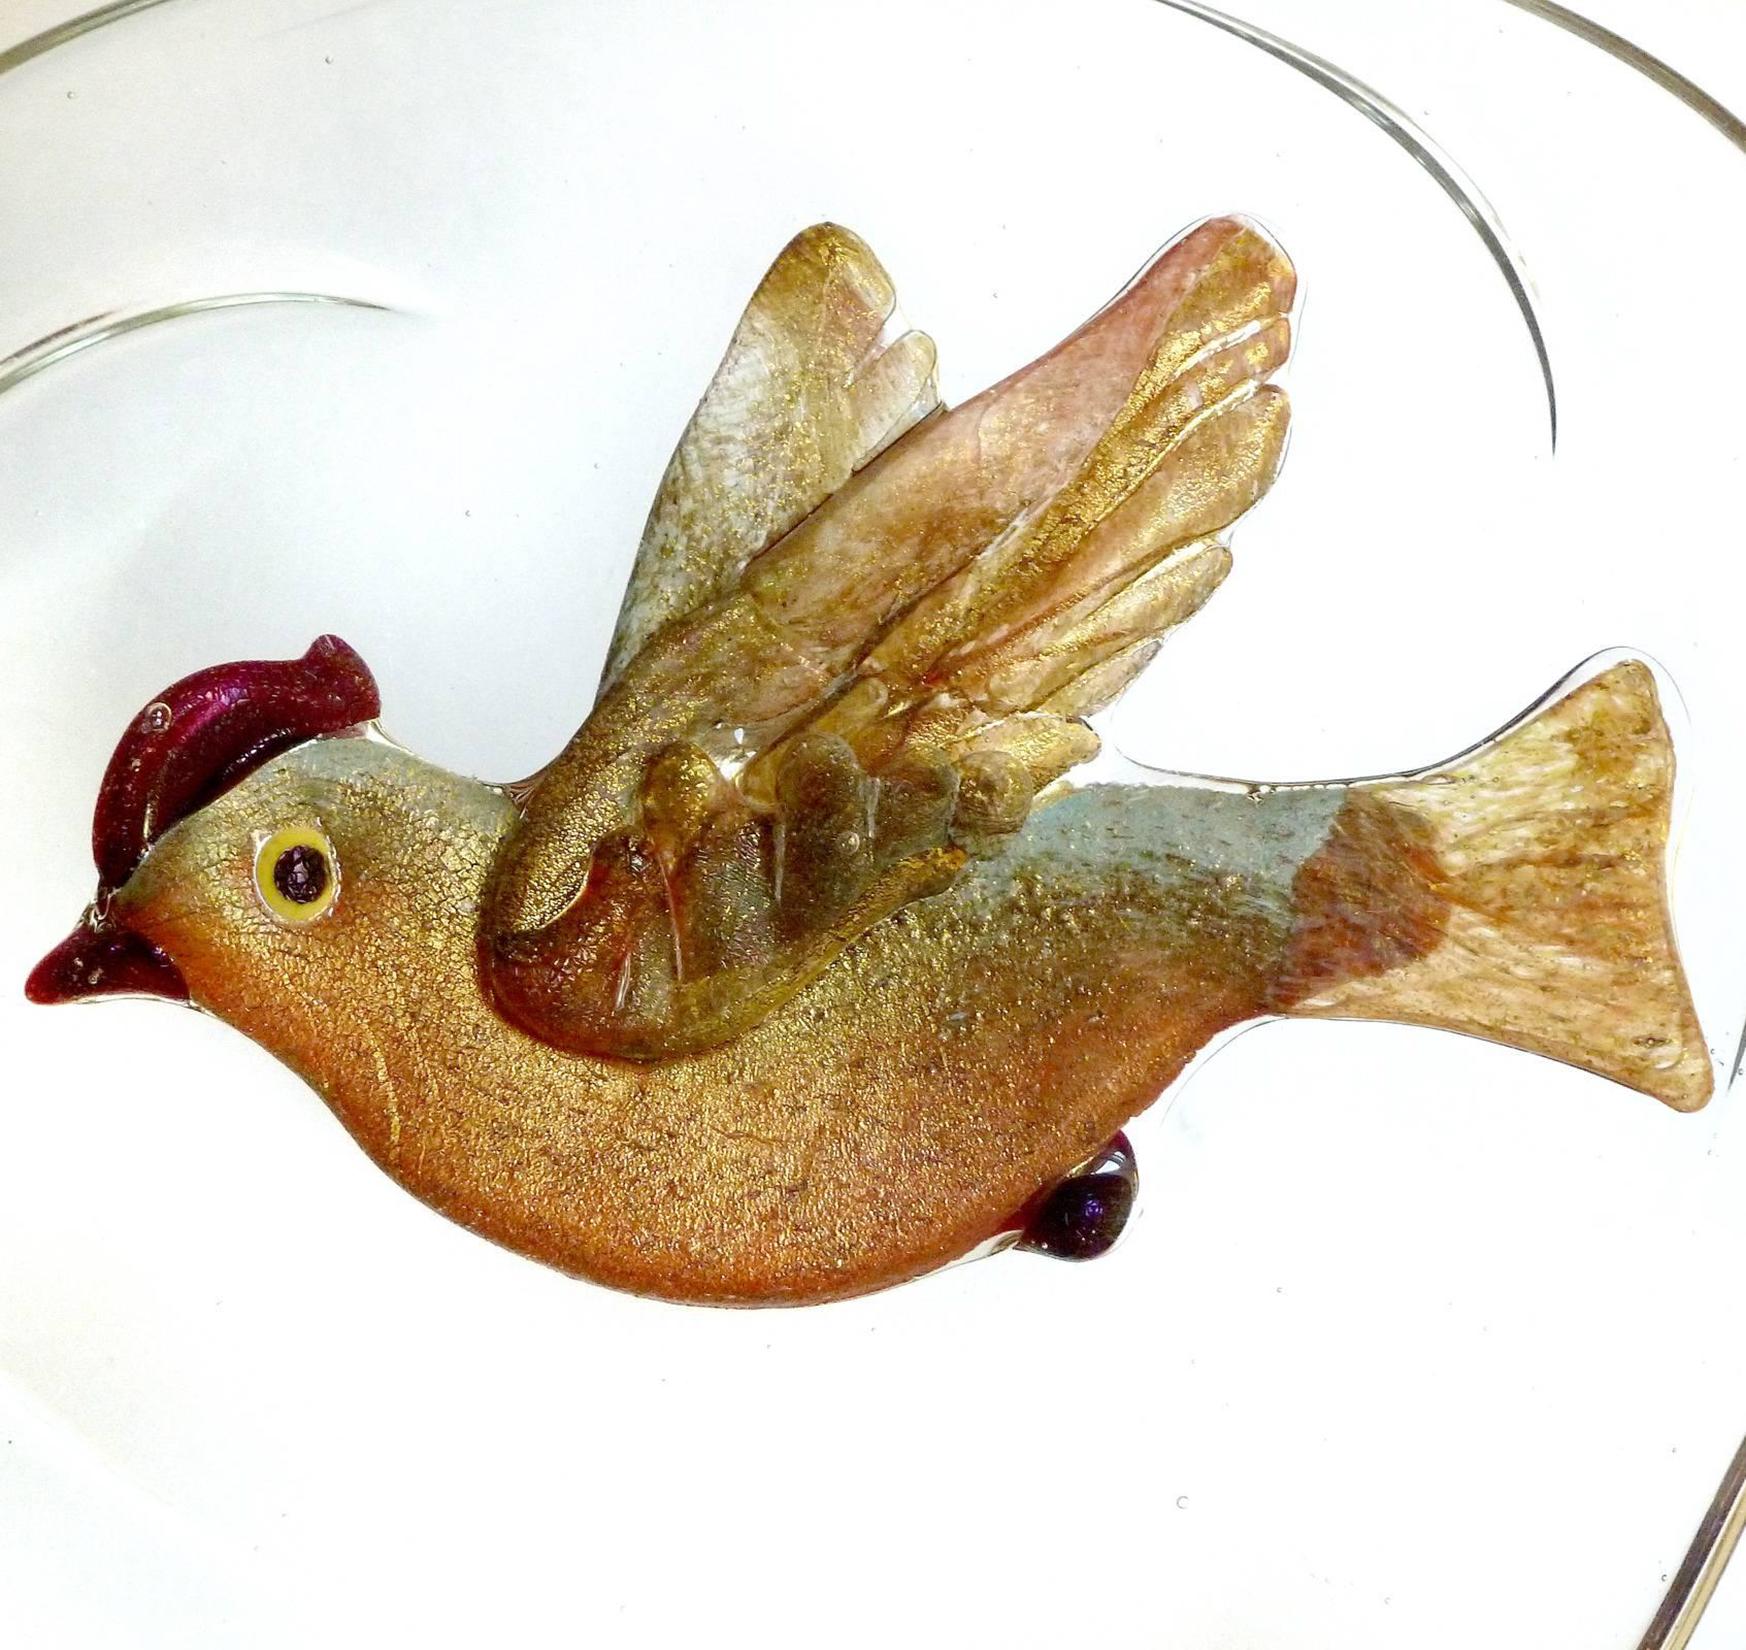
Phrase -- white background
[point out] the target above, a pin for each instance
(1416, 1342)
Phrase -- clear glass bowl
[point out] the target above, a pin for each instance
(1417, 1341)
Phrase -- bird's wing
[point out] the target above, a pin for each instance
(817, 380)
(881, 691)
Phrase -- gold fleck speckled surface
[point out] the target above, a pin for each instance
(797, 974)
(957, 600)
(965, 1053)
(971, 1048)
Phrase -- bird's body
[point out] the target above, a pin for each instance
(899, 1110)
(801, 971)
(885, 1120)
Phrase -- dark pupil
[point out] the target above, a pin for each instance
(300, 874)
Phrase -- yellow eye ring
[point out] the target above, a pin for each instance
(297, 874)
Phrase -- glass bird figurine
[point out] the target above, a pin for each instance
(806, 967)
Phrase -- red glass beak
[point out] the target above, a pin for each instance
(103, 959)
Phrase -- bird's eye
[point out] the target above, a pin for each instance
(296, 874)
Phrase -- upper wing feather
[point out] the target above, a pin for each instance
(813, 385)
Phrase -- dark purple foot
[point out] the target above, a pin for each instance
(1081, 1217)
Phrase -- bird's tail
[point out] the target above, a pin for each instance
(1516, 893)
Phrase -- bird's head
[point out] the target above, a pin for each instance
(264, 852)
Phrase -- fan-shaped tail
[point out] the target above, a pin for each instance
(1516, 894)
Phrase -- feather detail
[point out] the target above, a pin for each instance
(811, 388)
(893, 679)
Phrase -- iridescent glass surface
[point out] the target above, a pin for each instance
(381, 321)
